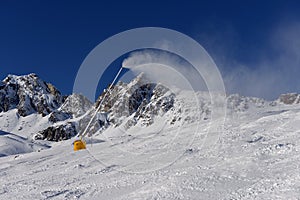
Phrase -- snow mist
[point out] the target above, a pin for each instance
(166, 68)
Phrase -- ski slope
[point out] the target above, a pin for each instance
(255, 156)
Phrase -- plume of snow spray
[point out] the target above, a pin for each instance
(164, 67)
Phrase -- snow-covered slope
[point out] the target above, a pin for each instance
(12, 122)
(254, 158)
(11, 144)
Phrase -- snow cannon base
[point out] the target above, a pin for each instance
(79, 145)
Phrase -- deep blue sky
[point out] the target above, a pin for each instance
(52, 38)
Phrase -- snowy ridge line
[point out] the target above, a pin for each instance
(255, 157)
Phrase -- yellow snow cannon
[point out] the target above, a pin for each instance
(79, 145)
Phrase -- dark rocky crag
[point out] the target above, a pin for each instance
(57, 133)
(28, 94)
(136, 101)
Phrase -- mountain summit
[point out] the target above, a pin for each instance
(28, 94)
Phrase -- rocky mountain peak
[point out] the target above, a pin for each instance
(289, 98)
(139, 99)
(29, 94)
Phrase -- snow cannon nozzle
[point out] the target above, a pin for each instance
(127, 67)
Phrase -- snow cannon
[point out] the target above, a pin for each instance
(79, 145)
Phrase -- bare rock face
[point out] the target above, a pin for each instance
(57, 133)
(139, 100)
(29, 94)
(157, 102)
(74, 106)
(57, 116)
(290, 98)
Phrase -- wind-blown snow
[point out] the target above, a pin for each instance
(164, 67)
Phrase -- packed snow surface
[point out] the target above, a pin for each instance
(254, 156)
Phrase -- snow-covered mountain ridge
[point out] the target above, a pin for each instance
(137, 103)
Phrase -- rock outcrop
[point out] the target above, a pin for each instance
(138, 100)
(29, 94)
(290, 98)
(57, 133)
